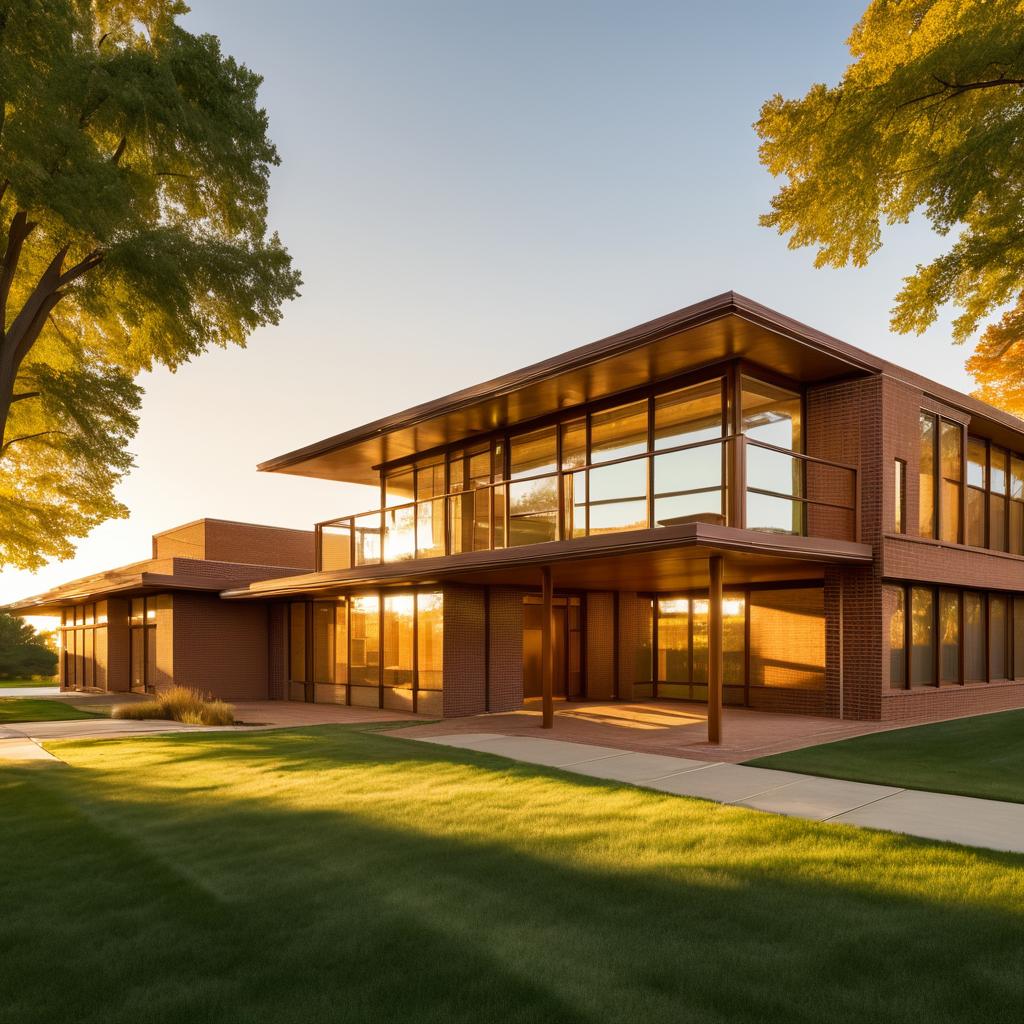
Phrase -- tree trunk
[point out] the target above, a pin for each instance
(17, 340)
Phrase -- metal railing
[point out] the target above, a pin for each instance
(735, 481)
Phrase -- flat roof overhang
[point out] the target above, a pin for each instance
(664, 559)
(135, 585)
(724, 327)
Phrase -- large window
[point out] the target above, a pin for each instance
(399, 644)
(375, 650)
(83, 645)
(900, 495)
(533, 495)
(664, 457)
(364, 653)
(954, 636)
(617, 493)
(975, 644)
(998, 637)
(949, 636)
(896, 610)
(926, 491)
(786, 629)
(429, 653)
(922, 637)
(995, 497)
(144, 668)
(977, 491)
(772, 419)
(940, 478)
(689, 482)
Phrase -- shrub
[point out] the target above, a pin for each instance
(179, 704)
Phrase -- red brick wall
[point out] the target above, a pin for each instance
(220, 541)
(925, 704)
(911, 559)
(163, 677)
(220, 647)
(464, 651)
(634, 631)
(259, 545)
(599, 660)
(188, 541)
(118, 654)
(505, 649)
(277, 650)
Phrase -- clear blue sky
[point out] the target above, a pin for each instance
(471, 186)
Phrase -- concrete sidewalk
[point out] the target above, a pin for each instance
(957, 819)
(20, 741)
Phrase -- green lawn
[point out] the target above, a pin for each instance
(340, 874)
(39, 709)
(981, 756)
(19, 683)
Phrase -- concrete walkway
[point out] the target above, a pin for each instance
(957, 819)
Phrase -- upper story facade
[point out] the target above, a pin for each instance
(725, 413)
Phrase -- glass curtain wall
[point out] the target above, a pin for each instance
(660, 459)
(142, 641)
(83, 646)
(533, 493)
(374, 650)
(786, 649)
(690, 482)
(772, 418)
(476, 509)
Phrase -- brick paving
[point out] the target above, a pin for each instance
(662, 727)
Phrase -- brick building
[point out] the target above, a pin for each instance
(721, 505)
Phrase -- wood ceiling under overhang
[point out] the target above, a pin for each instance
(669, 558)
(727, 326)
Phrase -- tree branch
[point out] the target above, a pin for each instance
(26, 437)
(953, 89)
(992, 83)
(21, 227)
(22, 395)
(119, 152)
(29, 322)
(34, 326)
(90, 260)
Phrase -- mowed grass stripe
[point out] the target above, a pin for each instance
(339, 874)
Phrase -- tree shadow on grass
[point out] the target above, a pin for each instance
(405, 882)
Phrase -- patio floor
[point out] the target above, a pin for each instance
(661, 727)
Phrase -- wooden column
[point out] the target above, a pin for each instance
(716, 660)
(547, 650)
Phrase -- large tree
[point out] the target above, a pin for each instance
(134, 172)
(929, 117)
(23, 651)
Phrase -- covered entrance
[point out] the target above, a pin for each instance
(566, 647)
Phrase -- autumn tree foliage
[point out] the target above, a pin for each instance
(928, 117)
(134, 173)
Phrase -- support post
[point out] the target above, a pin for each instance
(547, 650)
(716, 660)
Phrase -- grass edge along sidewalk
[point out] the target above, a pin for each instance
(453, 884)
(981, 756)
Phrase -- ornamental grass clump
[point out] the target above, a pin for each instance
(179, 704)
